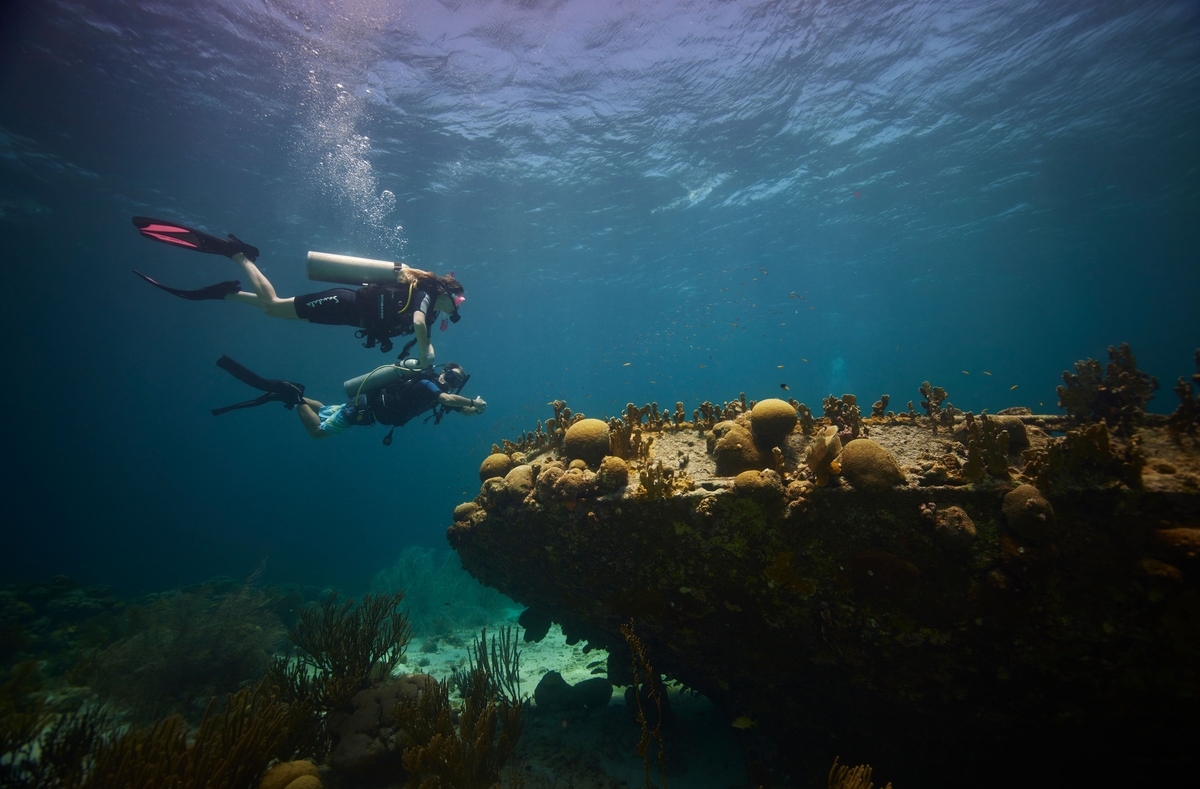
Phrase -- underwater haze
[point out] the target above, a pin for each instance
(645, 201)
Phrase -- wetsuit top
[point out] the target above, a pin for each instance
(400, 401)
(382, 311)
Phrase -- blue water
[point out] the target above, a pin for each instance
(631, 193)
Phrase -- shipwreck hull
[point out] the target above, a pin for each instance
(872, 624)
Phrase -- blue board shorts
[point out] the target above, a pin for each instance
(335, 418)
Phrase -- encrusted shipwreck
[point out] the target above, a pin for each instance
(1015, 583)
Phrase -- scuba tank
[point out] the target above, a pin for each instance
(347, 270)
(381, 377)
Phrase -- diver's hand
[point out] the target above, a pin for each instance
(480, 405)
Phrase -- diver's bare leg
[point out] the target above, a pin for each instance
(310, 420)
(270, 303)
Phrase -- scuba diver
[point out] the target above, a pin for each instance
(393, 394)
(397, 299)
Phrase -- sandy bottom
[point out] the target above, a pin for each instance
(598, 748)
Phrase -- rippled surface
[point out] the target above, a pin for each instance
(646, 200)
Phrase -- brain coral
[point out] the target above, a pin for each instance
(1018, 436)
(573, 484)
(764, 486)
(954, 527)
(1028, 513)
(772, 419)
(520, 480)
(496, 465)
(736, 452)
(869, 466)
(613, 474)
(283, 774)
(544, 487)
(587, 440)
(306, 782)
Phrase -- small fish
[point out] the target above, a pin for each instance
(1014, 386)
(985, 372)
(964, 372)
(783, 387)
(779, 367)
(627, 364)
(743, 723)
(803, 359)
(702, 365)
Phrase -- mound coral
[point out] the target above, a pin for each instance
(547, 478)
(735, 450)
(1028, 513)
(587, 440)
(519, 481)
(613, 474)
(495, 465)
(573, 484)
(868, 466)
(764, 486)
(952, 526)
(282, 775)
(771, 420)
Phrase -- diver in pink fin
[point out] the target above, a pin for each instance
(407, 301)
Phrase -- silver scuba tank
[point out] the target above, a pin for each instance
(347, 270)
(381, 377)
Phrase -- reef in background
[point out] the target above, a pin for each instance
(1010, 588)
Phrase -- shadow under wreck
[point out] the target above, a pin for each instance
(927, 590)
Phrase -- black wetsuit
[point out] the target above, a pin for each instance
(378, 311)
(400, 401)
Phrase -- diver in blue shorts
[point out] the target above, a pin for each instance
(390, 395)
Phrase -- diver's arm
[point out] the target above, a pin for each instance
(424, 346)
(463, 405)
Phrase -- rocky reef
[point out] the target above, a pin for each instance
(1024, 585)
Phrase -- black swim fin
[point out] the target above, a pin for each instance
(277, 391)
(216, 292)
(179, 235)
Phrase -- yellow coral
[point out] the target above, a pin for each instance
(735, 451)
(772, 419)
(1028, 513)
(613, 474)
(587, 440)
(495, 465)
(519, 481)
(572, 484)
(306, 782)
(868, 466)
(762, 485)
(282, 775)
